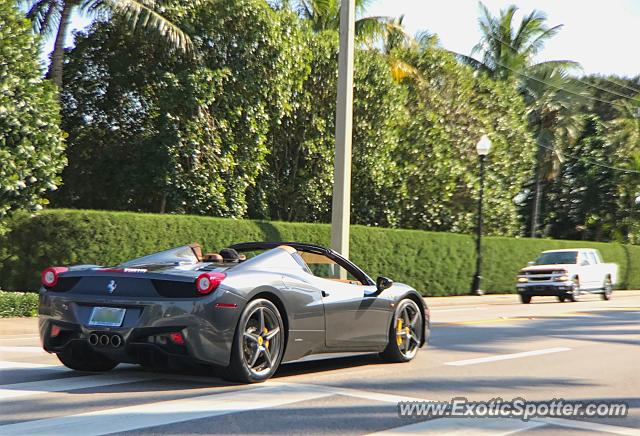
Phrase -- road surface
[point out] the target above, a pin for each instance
(480, 348)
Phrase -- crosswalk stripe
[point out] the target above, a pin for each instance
(8, 366)
(589, 426)
(67, 384)
(37, 350)
(462, 426)
(165, 412)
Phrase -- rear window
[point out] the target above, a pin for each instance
(557, 257)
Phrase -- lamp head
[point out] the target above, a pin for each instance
(483, 146)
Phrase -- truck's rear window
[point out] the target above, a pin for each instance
(558, 257)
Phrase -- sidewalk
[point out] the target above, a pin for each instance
(18, 326)
(474, 300)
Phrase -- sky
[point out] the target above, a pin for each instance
(602, 35)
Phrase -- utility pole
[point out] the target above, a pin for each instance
(341, 204)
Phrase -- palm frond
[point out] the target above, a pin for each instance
(538, 42)
(141, 15)
(44, 15)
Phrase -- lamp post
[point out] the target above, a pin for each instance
(482, 148)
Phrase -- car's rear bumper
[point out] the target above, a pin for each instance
(207, 329)
(545, 288)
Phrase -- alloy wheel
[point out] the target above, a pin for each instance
(262, 340)
(408, 329)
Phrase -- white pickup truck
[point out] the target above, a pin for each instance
(566, 274)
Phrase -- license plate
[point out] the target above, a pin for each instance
(107, 316)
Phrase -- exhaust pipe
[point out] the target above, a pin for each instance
(104, 340)
(116, 341)
(93, 339)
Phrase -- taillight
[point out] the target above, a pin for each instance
(206, 283)
(55, 331)
(176, 338)
(50, 275)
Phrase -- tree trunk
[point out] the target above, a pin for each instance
(57, 57)
(541, 138)
(163, 203)
(537, 200)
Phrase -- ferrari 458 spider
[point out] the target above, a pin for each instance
(245, 310)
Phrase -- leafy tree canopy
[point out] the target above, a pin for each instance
(31, 142)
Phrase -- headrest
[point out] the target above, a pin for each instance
(212, 257)
(197, 250)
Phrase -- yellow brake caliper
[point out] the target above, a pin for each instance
(265, 332)
(399, 331)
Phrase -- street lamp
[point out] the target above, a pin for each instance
(482, 148)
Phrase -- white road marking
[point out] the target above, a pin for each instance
(23, 338)
(8, 366)
(357, 393)
(165, 412)
(588, 425)
(67, 384)
(507, 356)
(462, 426)
(37, 350)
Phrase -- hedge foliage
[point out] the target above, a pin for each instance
(434, 263)
(18, 304)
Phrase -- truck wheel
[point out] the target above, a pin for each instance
(607, 289)
(561, 298)
(575, 292)
(526, 299)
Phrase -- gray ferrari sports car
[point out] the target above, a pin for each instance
(245, 310)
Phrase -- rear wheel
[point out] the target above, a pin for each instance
(526, 299)
(85, 359)
(258, 344)
(405, 332)
(607, 289)
(561, 298)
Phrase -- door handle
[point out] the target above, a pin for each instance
(325, 293)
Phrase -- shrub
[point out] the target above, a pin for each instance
(18, 304)
(434, 263)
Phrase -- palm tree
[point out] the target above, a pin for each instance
(52, 17)
(554, 101)
(553, 98)
(624, 133)
(507, 51)
(325, 15)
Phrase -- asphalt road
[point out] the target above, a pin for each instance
(481, 348)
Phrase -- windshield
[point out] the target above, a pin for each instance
(557, 257)
(175, 256)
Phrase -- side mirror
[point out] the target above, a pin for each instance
(531, 263)
(383, 283)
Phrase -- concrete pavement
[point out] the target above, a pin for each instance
(481, 348)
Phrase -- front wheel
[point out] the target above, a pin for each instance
(575, 292)
(526, 299)
(607, 289)
(85, 360)
(258, 343)
(405, 332)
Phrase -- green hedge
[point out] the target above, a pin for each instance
(18, 304)
(434, 263)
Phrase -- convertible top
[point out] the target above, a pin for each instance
(308, 248)
(311, 248)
